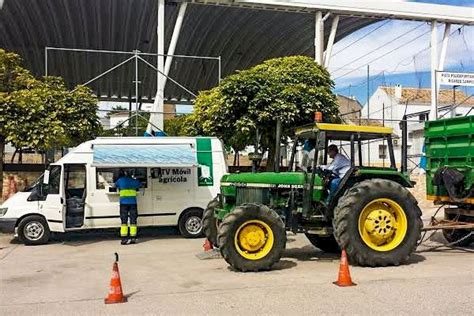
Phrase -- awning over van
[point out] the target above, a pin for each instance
(139, 155)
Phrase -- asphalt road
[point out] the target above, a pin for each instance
(163, 275)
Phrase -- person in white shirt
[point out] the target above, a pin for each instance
(339, 167)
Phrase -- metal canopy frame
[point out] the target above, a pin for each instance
(431, 13)
(136, 57)
(322, 10)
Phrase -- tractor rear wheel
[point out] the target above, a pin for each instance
(252, 237)
(326, 244)
(378, 223)
(210, 222)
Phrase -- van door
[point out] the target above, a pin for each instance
(53, 205)
(173, 192)
(75, 191)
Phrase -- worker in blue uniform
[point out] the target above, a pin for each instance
(128, 187)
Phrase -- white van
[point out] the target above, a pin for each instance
(179, 176)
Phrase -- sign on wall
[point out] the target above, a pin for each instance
(456, 78)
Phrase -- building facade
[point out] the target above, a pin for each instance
(388, 106)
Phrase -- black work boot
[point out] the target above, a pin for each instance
(124, 241)
(133, 240)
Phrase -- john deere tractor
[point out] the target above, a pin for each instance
(371, 215)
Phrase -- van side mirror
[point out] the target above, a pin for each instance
(45, 177)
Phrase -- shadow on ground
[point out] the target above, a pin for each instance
(310, 253)
(280, 265)
(86, 237)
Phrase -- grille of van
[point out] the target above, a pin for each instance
(252, 195)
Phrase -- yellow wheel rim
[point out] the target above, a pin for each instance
(254, 240)
(383, 224)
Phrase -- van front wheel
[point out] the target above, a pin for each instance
(190, 223)
(33, 230)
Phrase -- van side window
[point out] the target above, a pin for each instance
(106, 177)
(54, 180)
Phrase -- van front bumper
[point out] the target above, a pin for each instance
(7, 225)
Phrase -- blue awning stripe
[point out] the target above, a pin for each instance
(142, 155)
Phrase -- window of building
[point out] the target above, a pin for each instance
(423, 117)
(106, 177)
(382, 151)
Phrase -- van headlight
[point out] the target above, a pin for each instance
(3, 210)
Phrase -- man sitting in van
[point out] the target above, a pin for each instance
(128, 187)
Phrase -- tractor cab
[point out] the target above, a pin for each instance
(351, 141)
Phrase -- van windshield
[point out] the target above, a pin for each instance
(54, 181)
(35, 183)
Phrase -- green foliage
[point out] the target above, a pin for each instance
(177, 126)
(116, 109)
(290, 88)
(43, 114)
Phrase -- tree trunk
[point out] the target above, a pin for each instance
(271, 158)
(14, 155)
(2, 150)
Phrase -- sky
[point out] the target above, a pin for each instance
(407, 60)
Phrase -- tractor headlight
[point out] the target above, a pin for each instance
(3, 210)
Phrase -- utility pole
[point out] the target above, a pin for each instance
(368, 111)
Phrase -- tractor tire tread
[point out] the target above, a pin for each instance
(357, 252)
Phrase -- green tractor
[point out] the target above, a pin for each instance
(371, 215)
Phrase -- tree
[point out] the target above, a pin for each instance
(289, 88)
(116, 109)
(42, 114)
(177, 126)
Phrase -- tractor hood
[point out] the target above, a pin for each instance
(285, 178)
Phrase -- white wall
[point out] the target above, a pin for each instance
(385, 106)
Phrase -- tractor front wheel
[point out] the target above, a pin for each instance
(210, 222)
(378, 223)
(252, 238)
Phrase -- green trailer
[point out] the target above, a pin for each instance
(449, 148)
(371, 215)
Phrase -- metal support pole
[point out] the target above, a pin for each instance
(434, 66)
(319, 38)
(174, 41)
(444, 47)
(368, 112)
(158, 105)
(136, 94)
(404, 160)
(220, 69)
(352, 151)
(359, 149)
(332, 37)
(46, 61)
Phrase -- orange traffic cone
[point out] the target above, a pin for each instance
(344, 278)
(115, 290)
(207, 245)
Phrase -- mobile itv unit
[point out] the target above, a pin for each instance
(179, 176)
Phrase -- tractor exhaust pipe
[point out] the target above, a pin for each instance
(404, 160)
(277, 145)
